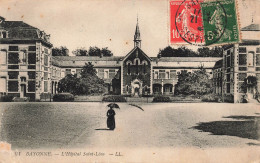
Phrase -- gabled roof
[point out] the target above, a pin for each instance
(251, 27)
(140, 50)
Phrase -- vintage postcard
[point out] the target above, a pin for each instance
(129, 81)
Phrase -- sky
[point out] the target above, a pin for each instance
(104, 23)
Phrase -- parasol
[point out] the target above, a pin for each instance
(113, 105)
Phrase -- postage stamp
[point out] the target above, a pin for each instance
(203, 23)
(220, 22)
(186, 26)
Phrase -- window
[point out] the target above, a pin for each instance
(46, 60)
(161, 74)
(13, 58)
(228, 77)
(144, 71)
(78, 72)
(167, 75)
(45, 86)
(136, 65)
(13, 74)
(31, 66)
(101, 73)
(32, 48)
(23, 79)
(127, 88)
(31, 86)
(13, 48)
(250, 59)
(242, 69)
(4, 34)
(242, 59)
(12, 86)
(172, 74)
(31, 58)
(242, 76)
(257, 59)
(242, 49)
(67, 72)
(228, 61)
(106, 74)
(31, 74)
(156, 75)
(228, 87)
(112, 74)
(13, 66)
(45, 75)
(128, 68)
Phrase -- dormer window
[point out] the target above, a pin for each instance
(3, 34)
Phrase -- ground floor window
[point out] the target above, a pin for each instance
(13, 86)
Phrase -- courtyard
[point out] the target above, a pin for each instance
(52, 125)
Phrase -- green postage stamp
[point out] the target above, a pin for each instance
(220, 22)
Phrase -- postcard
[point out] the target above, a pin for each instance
(129, 81)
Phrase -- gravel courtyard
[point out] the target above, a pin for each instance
(53, 125)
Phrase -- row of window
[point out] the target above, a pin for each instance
(163, 74)
(13, 86)
(15, 74)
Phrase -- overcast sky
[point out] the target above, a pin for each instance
(103, 23)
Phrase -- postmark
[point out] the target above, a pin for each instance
(188, 22)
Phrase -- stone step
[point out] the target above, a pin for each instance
(21, 99)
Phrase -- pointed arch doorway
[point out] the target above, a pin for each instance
(136, 87)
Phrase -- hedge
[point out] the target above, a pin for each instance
(6, 98)
(114, 98)
(161, 99)
(210, 98)
(63, 97)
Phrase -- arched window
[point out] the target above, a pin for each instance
(127, 88)
(144, 67)
(128, 68)
(250, 59)
(136, 64)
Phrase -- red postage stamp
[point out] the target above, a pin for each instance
(186, 25)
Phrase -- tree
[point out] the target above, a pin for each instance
(80, 52)
(185, 52)
(86, 84)
(106, 52)
(196, 83)
(213, 52)
(95, 51)
(179, 52)
(60, 51)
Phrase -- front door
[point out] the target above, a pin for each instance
(23, 90)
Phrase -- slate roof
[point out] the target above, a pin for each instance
(187, 59)
(19, 30)
(251, 27)
(87, 58)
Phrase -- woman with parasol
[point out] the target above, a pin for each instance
(111, 124)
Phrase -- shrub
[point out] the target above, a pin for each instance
(210, 98)
(63, 97)
(6, 98)
(114, 98)
(161, 99)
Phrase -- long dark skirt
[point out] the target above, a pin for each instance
(111, 124)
